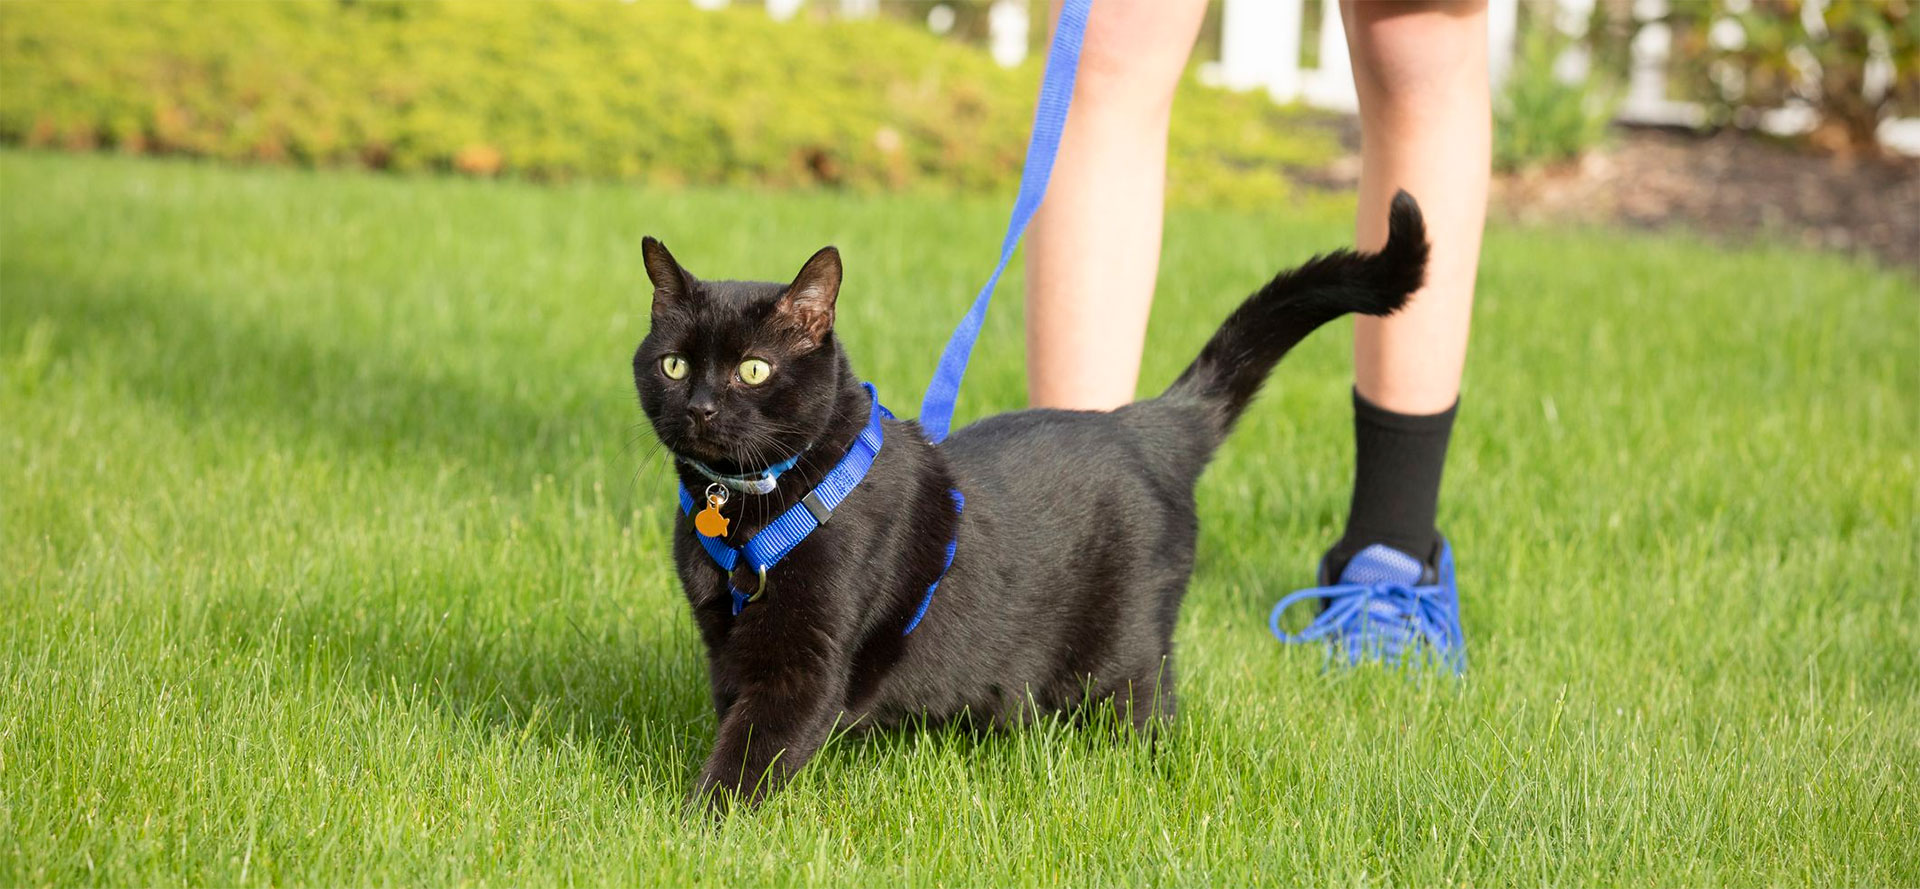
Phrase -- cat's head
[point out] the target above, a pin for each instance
(739, 374)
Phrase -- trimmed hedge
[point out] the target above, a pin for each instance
(659, 91)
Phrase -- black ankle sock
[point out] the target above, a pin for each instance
(1396, 482)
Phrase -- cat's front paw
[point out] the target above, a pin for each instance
(710, 799)
(718, 793)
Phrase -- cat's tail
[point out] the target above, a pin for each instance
(1275, 318)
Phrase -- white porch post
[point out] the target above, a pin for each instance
(1649, 53)
(1503, 25)
(1331, 85)
(1260, 46)
(1007, 32)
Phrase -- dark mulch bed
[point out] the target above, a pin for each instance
(1734, 186)
(1731, 185)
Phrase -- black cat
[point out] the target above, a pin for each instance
(1072, 533)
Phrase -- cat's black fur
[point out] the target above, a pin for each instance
(1074, 548)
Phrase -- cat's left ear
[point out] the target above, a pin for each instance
(808, 303)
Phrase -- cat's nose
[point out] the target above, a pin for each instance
(702, 411)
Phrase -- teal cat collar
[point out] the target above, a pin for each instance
(762, 482)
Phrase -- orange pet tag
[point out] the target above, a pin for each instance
(709, 521)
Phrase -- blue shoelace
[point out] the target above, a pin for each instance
(1380, 620)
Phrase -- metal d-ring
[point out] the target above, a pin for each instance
(763, 585)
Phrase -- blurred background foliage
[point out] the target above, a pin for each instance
(1853, 62)
(663, 92)
(1850, 63)
(655, 91)
(1541, 117)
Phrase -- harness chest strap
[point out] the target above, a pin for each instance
(765, 549)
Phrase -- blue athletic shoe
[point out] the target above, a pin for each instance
(1386, 606)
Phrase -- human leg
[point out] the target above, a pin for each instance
(1420, 69)
(1094, 249)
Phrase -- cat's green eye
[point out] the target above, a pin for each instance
(674, 366)
(753, 371)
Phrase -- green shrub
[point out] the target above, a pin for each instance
(1537, 118)
(1782, 52)
(657, 91)
(1778, 58)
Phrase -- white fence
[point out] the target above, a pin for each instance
(1260, 48)
(1261, 44)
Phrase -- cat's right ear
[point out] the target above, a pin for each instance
(671, 283)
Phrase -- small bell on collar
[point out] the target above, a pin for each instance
(709, 521)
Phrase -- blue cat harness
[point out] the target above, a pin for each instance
(764, 550)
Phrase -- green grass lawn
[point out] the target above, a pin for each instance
(333, 551)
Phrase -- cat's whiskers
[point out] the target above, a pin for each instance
(809, 459)
(765, 438)
(647, 462)
(752, 448)
(753, 443)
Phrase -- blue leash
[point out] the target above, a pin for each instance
(1049, 118)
